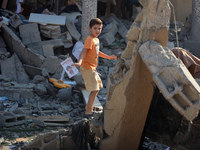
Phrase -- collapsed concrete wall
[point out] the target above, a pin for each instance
(125, 114)
(172, 78)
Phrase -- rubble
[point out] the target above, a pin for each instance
(31, 53)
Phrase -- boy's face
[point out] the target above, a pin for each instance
(95, 30)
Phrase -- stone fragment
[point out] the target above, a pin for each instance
(13, 69)
(32, 71)
(65, 94)
(48, 50)
(38, 47)
(73, 32)
(29, 33)
(52, 65)
(40, 89)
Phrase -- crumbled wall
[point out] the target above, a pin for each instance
(129, 86)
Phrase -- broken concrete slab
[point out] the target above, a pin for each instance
(122, 30)
(47, 19)
(38, 47)
(15, 21)
(13, 68)
(32, 71)
(15, 45)
(172, 78)
(29, 33)
(52, 65)
(73, 32)
(67, 39)
(108, 34)
(48, 50)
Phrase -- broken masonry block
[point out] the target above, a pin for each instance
(29, 33)
(172, 78)
(9, 119)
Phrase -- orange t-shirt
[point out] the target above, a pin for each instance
(90, 60)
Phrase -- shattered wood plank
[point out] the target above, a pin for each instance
(86, 94)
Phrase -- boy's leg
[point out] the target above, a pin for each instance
(89, 106)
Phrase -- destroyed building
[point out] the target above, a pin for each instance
(149, 95)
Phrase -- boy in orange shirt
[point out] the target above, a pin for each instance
(88, 61)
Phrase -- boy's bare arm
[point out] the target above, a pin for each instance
(81, 56)
(101, 54)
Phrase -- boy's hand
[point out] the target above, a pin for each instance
(113, 57)
(76, 65)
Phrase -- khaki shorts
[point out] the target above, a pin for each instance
(92, 80)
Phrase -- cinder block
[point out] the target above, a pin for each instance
(172, 78)
(9, 119)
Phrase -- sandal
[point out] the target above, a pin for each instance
(97, 108)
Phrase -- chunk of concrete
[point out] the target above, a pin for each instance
(67, 39)
(40, 89)
(73, 32)
(122, 30)
(38, 47)
(65, 94)
(47, 19)
(172, 78)
(15, 21)
(48, 50)
(13, 69)
(52, 65)
(32, 71)
(108, 34)
(29, 33)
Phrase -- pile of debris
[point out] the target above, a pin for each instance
(30, 54)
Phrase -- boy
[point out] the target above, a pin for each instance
(88, 60)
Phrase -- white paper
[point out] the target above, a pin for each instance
(78, 47)
(69, 69)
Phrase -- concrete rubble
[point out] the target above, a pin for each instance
(31, 53)
(29, 57)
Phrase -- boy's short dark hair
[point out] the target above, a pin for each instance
(95, 21)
